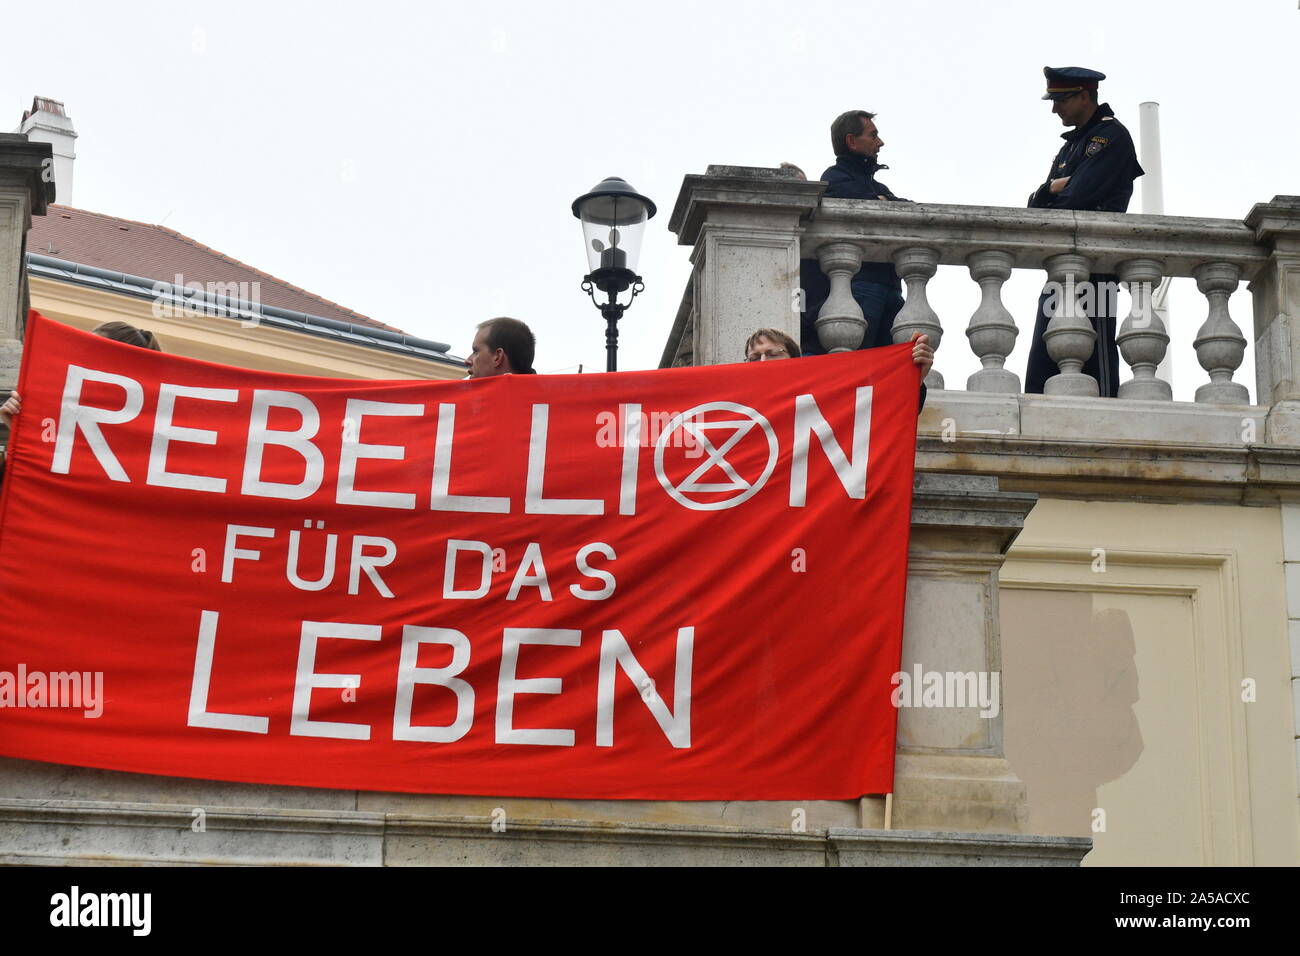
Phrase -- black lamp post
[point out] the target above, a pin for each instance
(613, 218)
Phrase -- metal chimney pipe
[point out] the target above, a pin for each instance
(1153, 184)
(1153, 204)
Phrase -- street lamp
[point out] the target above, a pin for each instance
(613, 218)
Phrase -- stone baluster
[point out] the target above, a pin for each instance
(1219, 344)
(1142, 337)
(840, 325)
(915, 266)
(992, 332)
(1070, 337)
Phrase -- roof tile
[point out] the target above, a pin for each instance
(156, 252)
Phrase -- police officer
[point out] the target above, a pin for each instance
(1094, 170)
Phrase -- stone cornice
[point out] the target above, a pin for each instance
(24, 164)
(34, 831)
(1169, 471)
(972, 505)
(1117, 449)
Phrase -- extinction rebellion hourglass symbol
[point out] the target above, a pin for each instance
(716, 473)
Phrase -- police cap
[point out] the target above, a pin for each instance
(1063, 81)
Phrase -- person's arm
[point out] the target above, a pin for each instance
(12, 406)
(887, 193)
(1041, 198)
(923, 357)
(840, 185)
(1111, 169)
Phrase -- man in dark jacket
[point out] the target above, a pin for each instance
(876, 287)
(1094, 170)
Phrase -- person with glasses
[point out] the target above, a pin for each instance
(1094, 170)
(767, 344)
(764, 345)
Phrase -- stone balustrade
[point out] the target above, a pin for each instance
(1069, 247)
(780, 219)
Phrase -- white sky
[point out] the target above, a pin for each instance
(416, 162)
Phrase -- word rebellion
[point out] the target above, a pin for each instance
(88, 425)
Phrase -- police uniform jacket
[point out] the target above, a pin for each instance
(1101, 162)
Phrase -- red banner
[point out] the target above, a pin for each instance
(683, 584)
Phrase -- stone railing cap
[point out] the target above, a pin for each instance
(23, 162)
(751, 172)
(1180, 242)
(1281, 215)
(774, 189)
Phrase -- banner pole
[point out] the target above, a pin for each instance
(889, 811)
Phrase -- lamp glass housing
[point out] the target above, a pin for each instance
(612, 227)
